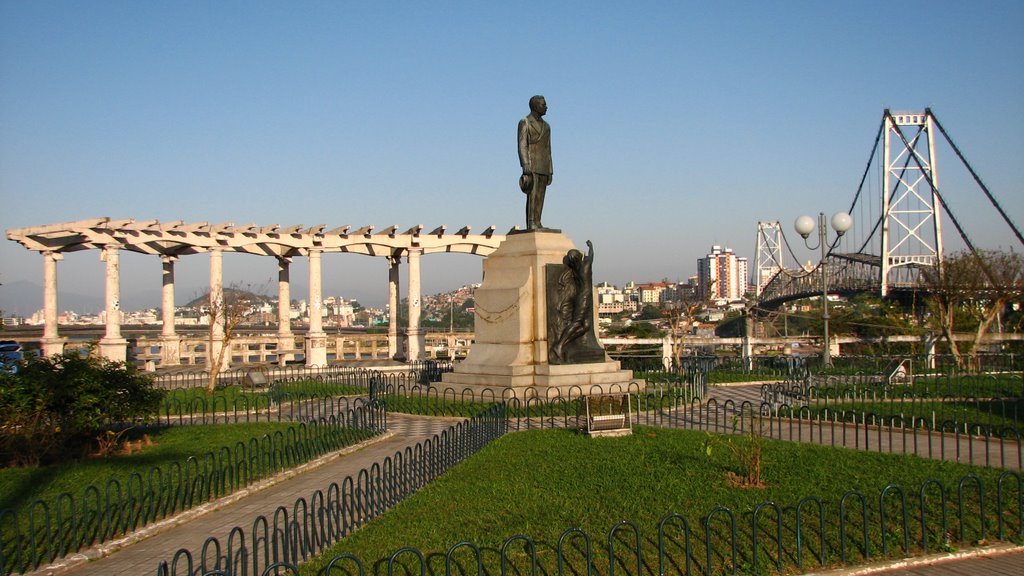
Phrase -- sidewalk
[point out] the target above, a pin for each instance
(1001, 560)
(142, 556)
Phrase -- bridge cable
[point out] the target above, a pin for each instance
(867, 168)
(977, 178)
(795, 259)
(864, 178)
(895, 186)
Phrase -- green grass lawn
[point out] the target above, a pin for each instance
(1002, 385)
(238, 398)
(19, 487)
(994, 414)
(541, 483)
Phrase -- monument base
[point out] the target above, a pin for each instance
(509, 356)
(543, 381)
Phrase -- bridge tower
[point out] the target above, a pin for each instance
(769, 253)
(911, 225)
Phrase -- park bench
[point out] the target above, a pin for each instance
(286, 356)
(617, 424)
(255, 379)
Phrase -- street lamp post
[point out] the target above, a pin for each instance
(804, 225)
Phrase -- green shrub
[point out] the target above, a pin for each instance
(54, 408)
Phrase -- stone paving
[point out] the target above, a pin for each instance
(141, 553)
(1006, 564)
(1002, 561)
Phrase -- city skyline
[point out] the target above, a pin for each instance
(675, 127)
(93, 304)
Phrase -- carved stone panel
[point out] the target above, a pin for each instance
(570, 317)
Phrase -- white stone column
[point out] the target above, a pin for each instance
(833, 346)
(112, 345)
(414, 335)
(285, 337)
(316, 340)
(748, 346)
(170, 343)
(929, 350)
(51, 343)
(218, 309)
(668, 345)
(394, 264)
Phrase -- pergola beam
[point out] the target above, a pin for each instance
(180, 238)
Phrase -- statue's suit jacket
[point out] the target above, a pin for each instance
(535, 145)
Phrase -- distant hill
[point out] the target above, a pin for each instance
(231, 294)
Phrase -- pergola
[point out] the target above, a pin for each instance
(172, 240)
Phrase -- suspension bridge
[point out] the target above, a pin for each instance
(903, 229)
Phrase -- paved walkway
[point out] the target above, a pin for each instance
(1007, 564)
(141, 556)
(1003, 561)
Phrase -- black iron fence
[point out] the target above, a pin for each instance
(221, 408)
(788, 411)
(814, 532)
(312, 524)
(783, 366)
(864, 385)
(338, 373)
(978, 446)
(290, 394)
(990, 436)
(43, 532)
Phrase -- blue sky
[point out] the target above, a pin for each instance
(676, 125)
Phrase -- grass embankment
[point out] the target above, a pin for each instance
(542, 483)
(20, 487)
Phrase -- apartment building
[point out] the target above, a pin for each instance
(722, 275)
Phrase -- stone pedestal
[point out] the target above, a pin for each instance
(170, 350)
(114, 349)
(510, 353)
(316, 349)
(52, 346)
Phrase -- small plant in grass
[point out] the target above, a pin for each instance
(112, 442)
(109, 441)
(746, 444)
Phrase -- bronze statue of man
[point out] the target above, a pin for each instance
(535, 158)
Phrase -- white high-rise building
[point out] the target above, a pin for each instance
(721, 275)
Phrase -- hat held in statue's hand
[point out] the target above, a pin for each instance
(526, 182)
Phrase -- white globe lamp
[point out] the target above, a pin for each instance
(804, 225)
